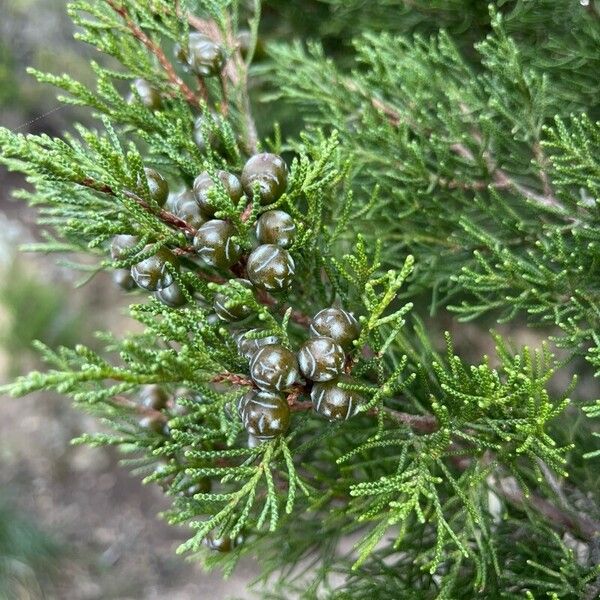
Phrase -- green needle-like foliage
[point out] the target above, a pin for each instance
(438, 166)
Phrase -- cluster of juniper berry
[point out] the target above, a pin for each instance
(275, 370)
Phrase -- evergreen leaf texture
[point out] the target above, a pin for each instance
(440, 156)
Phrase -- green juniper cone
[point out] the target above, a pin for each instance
(155, 423)
(186, 208)
(121, 243)
(336, 324)
(321, 359)
(204, 183)
(153, 396)
(450, 159)
(149, 96)
(204, 56)
(158, 186)
(247, 347)
(222, 544)
(123, 279)
(215, 245)
(274, 368)
(267, 172)
(205, 135)
(155, 272)
(271, 268)
(276, 227)
(172, 295)
(332, 402)
(227, 310)
(265, 415)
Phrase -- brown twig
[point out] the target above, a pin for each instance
(140, 409)
(164, 215)
(583, 526)
(156, 50)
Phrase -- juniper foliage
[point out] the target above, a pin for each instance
(429, 166)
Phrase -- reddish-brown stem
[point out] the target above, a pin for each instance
(140, 409)
(164, 215)
(156, 50)
(246, 214)
(583, 526)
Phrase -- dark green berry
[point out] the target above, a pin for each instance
(333, 402)
(149, 96)
(227, 310)
(123, 278)
(156, 423)
(204, 183)
(265, 415)
(253, 441)
(205, 57)
(120, 243)
(321, 359)
(276, 227)
(271, 268)
(274, 368)
(153, 396)
(153, 273)
(337, 324)
(186, 208)
(158, 186)
(269, 171)
(223, 543)
(244, 39)
(205, 135)
(200, 486)
(171, 296)
(214, 243)
(247, 347)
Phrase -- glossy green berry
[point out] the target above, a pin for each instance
(200, 486)
(321, 359)
(153, 273)
(337, 324)
(215, 245)
(222, 543)
(248, 347)
(153, 396)
(333, 402)
(274, 368)
(120, 243)
(265, 415)
(123, 278)
(158, 186)
(176, 199)
(204, 183)
(149, 96)
(269, 171)
(227, 310)
(271, 268)
(244, 39)
(276, 227)
(204, 134)
(205, 57)
(156, 423)
(253, 441)
(172, 296)
(186, 208)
